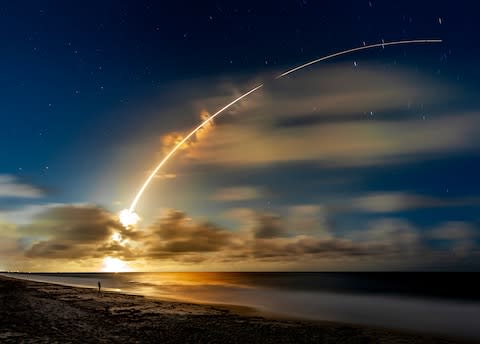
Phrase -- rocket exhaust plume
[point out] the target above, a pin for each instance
(128, 217)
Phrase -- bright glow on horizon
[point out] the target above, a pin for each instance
(114, 265)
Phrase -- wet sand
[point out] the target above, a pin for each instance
(34, 312)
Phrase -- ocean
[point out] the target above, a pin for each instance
(442, 303)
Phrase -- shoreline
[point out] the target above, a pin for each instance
(40, 312)
(236, 308)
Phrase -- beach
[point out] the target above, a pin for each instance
(35, 312)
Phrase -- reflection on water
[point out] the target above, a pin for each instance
(440, 302)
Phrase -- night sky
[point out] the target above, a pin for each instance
(369, 161)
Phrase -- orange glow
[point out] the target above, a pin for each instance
(114, 265)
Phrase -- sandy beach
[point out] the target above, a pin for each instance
(33, 312)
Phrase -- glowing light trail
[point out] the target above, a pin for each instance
(185, 139)
(128, 216)
(383, 44)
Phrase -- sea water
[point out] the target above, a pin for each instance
(442, 303)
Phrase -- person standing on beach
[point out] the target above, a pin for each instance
(99, 287)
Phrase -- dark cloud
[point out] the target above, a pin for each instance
(313, 119)
(237, 193)
(384, 202)
(459, 237)
(71, 231)
(268, 226)
(302, 246)
(80, 232)
(60, 249)
(454, 230)
(176, 234)
(115, 249)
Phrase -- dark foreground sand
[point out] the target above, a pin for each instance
(32, 312)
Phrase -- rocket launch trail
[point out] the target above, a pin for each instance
(185, 139)
(383, 44)
(128, 216)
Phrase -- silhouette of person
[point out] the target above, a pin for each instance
(99, 287)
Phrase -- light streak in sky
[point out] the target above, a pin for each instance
(383, 44)
(128, 217)
(185, 139)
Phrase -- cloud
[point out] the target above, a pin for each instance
(10, 187)
(175, 234)
(166, 176)
(385, 202)
(342, 91)
(9, 246)
(308, 218)
(386, 239)
(25, 214)
(389, 236)
(268, 226)
(77, 234)
(354, 143)
(177, 237)
(240, 214)
(70, 232)
(340, 117)
(237, 193)
(322, 116)
(172, 139)
(269, 241)
(454, 230)
(306, 247)
(461, 236)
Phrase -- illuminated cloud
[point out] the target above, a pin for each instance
(171, 139)
(340, 116)
(237, 193)
(306, 247)
(268, 226)
(25, 214)
(176, 234)
(343, 91)
(10, 249)
(336, 115)
(10, 187)
(390, 236)
(85, 233)
(355, 143)
(166, 176)
(384, 202)
(458, 235)
(308, 218)
(454, 230)
(70, 232)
